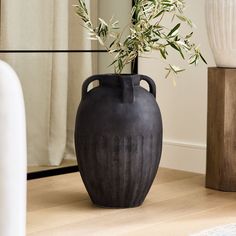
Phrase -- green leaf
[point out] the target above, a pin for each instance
(174, 30)
(112, 63)
(163, 53)
(189, 35)
(173, 45)
(103, 22)
(147, 32)
(203, 58)
(185, 19)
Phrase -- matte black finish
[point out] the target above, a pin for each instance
(118, 139)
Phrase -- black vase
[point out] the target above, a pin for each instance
(118, 139)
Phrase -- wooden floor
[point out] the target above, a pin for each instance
(177, 205)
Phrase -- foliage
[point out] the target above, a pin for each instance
(147, 32)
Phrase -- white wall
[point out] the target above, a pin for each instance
(184, 107)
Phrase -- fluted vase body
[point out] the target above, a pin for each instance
(221, 26)
(118, 139)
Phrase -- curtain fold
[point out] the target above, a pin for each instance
(51, 81)
(59, 84)
(78, 64)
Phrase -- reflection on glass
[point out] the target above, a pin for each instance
(51, 25)
(52, 82)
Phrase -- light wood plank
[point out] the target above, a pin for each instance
(191, 224)
(60, 206)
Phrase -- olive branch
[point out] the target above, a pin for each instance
(146, 33)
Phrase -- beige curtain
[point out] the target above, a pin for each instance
(51, 81)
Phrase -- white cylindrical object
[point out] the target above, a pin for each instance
(221, 26)
(12, 154)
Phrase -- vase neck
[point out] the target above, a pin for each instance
(117, 80)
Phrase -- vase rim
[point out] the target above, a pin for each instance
(115, 79)
(117, 75)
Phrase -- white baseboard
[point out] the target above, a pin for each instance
(184, 156)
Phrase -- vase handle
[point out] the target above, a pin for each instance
(86, 84)
(127, 86)
(152, 86)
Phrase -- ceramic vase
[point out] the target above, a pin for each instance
(12, 154)
(221, 26)
(118, 139)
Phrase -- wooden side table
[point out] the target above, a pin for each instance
(221, 129)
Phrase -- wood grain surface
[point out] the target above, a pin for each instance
(221, 129)
(177, 205)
